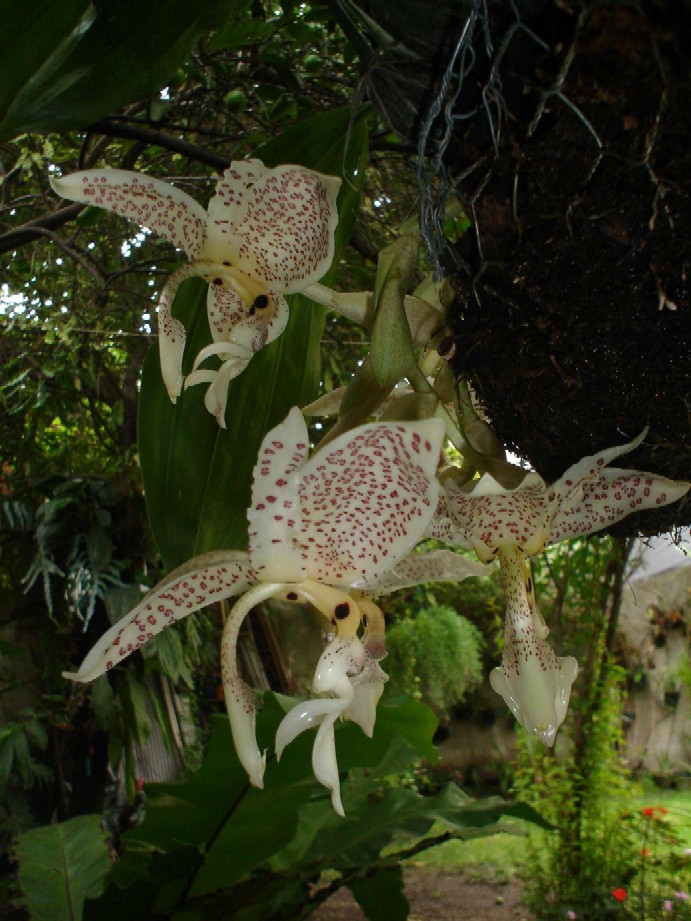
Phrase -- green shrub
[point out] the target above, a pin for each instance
(436, 656)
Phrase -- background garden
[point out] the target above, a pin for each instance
(126, 794)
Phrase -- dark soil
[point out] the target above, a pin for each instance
(437, 896)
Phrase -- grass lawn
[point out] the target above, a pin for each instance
(497, 858)
(678, 804)
(502, 857)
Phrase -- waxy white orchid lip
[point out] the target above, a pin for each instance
(534, 682)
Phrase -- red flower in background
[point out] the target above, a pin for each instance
(620, 894)
(654, 812)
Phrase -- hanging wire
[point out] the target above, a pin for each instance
(436, 130)
(474, 52)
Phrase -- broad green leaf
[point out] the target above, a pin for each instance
(215, 808)
(102, 702)
(380, 894)
(61, 865)
(377, 813)
(399, 719)
(68, 63)
(289, 785)
(197, 477)
(392, 352)
(213, 847)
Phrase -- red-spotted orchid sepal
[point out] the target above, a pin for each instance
(589, 497)
(202, 581)
(534, 682)
(267, 233)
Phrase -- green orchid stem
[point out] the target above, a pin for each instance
(420, 384)
(354, 305)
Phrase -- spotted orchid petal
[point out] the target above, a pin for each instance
(591, 496)
(432, 566)
(367, 499)
(534, 682)
(238, 694)
(275, 516)
(203, 580)
(276, 225)
(148, 202)
(350, 512)
(486, 515)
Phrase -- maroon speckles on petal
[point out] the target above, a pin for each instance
(512, 517)
(147, 201)
(170, 601)
(365, 502)
(278, 224)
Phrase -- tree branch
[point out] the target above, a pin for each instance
(36, 229)
(140, 132)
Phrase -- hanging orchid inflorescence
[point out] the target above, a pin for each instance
(267, 233)
(510, 524)
(340, 528)
(331, 530)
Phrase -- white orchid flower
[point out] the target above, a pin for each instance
(509, 524)
(267, 233)
(319, 528)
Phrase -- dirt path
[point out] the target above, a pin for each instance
(437, 896)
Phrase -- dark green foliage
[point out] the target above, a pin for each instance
(62, 865)
(214, 847)
(75, 61)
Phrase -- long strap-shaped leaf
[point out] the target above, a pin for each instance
(197, 477)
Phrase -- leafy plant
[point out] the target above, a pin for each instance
(436, 653)
(212, 846)
(22, 741)
(74, 544)
(585, 789)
